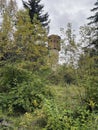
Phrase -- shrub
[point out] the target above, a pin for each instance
(11, 76)
(25, 97)
(80, 119)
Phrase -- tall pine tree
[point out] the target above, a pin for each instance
(91, 56)
(94, 18)
(35, 8)
(94, 21)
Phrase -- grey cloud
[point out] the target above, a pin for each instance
(63, 11)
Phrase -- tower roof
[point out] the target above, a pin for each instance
(54, 36)
(54, 42)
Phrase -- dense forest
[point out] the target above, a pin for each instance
(36, 93)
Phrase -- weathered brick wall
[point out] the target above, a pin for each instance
(54, 42)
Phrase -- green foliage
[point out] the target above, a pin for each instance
(68, 119)
(11, 76)
(50, 116)
(30, 41)
(94, 18)
(87, 77)
(70, 48)
(94, 21)
(35, 8)
(25, 97)
(26, 121)
(25, 78)
(64, 75)
(22, 53)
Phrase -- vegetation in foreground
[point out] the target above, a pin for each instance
(34, 96)
(63, 109)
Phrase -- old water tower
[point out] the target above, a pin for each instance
(54, 48)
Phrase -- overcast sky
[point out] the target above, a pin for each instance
(63, 11)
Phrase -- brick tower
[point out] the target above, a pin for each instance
(54, 48)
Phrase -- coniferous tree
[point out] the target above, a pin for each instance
(5, 36)
(94, 18)
(35, 8)
(20, 58)
(94, 21)
(3, 4)
(12, 8)
(69, 46)
(89, 61)
(8, 6)
(7, 28)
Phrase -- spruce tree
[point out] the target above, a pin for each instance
(20, 59)
(94, 18)
(29, 41)
(94, 21)
(92, 61)
(35, 8)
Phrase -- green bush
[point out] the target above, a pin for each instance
(25, 97)
(87, 77)
(21, 90)
(11, 76)
(80, 119)
(62, 75)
